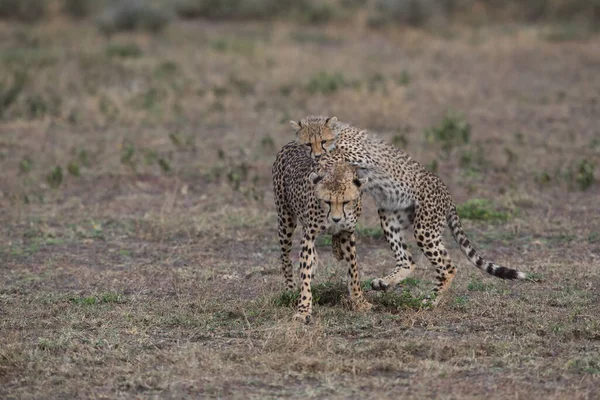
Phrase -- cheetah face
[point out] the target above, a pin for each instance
(316, 134)
(338, 192)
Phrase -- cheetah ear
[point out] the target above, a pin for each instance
(296, 126)
(331, 121)
(314, 178)
(360, 181)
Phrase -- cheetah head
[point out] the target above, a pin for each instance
(316, 133)
(337, 187)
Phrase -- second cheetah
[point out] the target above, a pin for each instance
(323, 196)
(405, 193)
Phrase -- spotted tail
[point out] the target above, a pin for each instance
(473, 256)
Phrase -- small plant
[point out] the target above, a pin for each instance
(326, 83)
(164, 165)
(25, 165)
(127, 153)
(329, 293)
(323, 241)
(130, 50)
(481, 210)
(585, 174)
(10, 93)
(414, 282)
(55, 177)
(403, 79)
(73, 168)
(267, 143)
(453, 131)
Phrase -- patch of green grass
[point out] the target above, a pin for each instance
(454, 130)
(55, 177)
(481, 210)
(363, 231)
(585, 174)
(103, 298)
(328, 293)
(323, 241)
(400, 301)
(9, 92)
(326, 82)
(25, 165)
(164, 165)
(319, 38)
(127, 50)
(238, 45)
(477, 285)
(594, 237)
(403, 79)
(73, 168)
(566, 33)
(414, 282)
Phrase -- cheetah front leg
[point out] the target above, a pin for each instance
(394, 223)
(347, 242)
(307, 260)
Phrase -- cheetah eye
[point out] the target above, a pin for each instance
(307, 144)
(345, 203)
(323, 142)
(327, 202)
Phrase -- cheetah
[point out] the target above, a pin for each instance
(406, 194)
(323, 196)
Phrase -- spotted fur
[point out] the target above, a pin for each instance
(406, 194)
(323, 196)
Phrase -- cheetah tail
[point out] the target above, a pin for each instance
(473, 256)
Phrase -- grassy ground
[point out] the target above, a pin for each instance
(138, 233)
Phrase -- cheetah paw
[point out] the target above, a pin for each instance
(303, 318)
(379, 284)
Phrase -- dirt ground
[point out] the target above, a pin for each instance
(138, 248)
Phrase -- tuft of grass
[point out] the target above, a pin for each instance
(404, 300)
(10, 92)
(454, 130)
(73, 168)
(481, 210)
(164, 165)
(103, 298)
(585, 174)
(55, 177)
(25, 165)
(127, 50)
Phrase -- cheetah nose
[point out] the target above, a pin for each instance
(336, 219)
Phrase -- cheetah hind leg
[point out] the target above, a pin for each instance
(393, 224)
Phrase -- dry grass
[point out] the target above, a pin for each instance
(150, 268)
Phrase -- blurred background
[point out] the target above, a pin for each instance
(138, 248)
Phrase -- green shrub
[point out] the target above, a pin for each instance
(10, 92)
(481, 210)
(453, 131)
(585, 174)
(132, 15)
